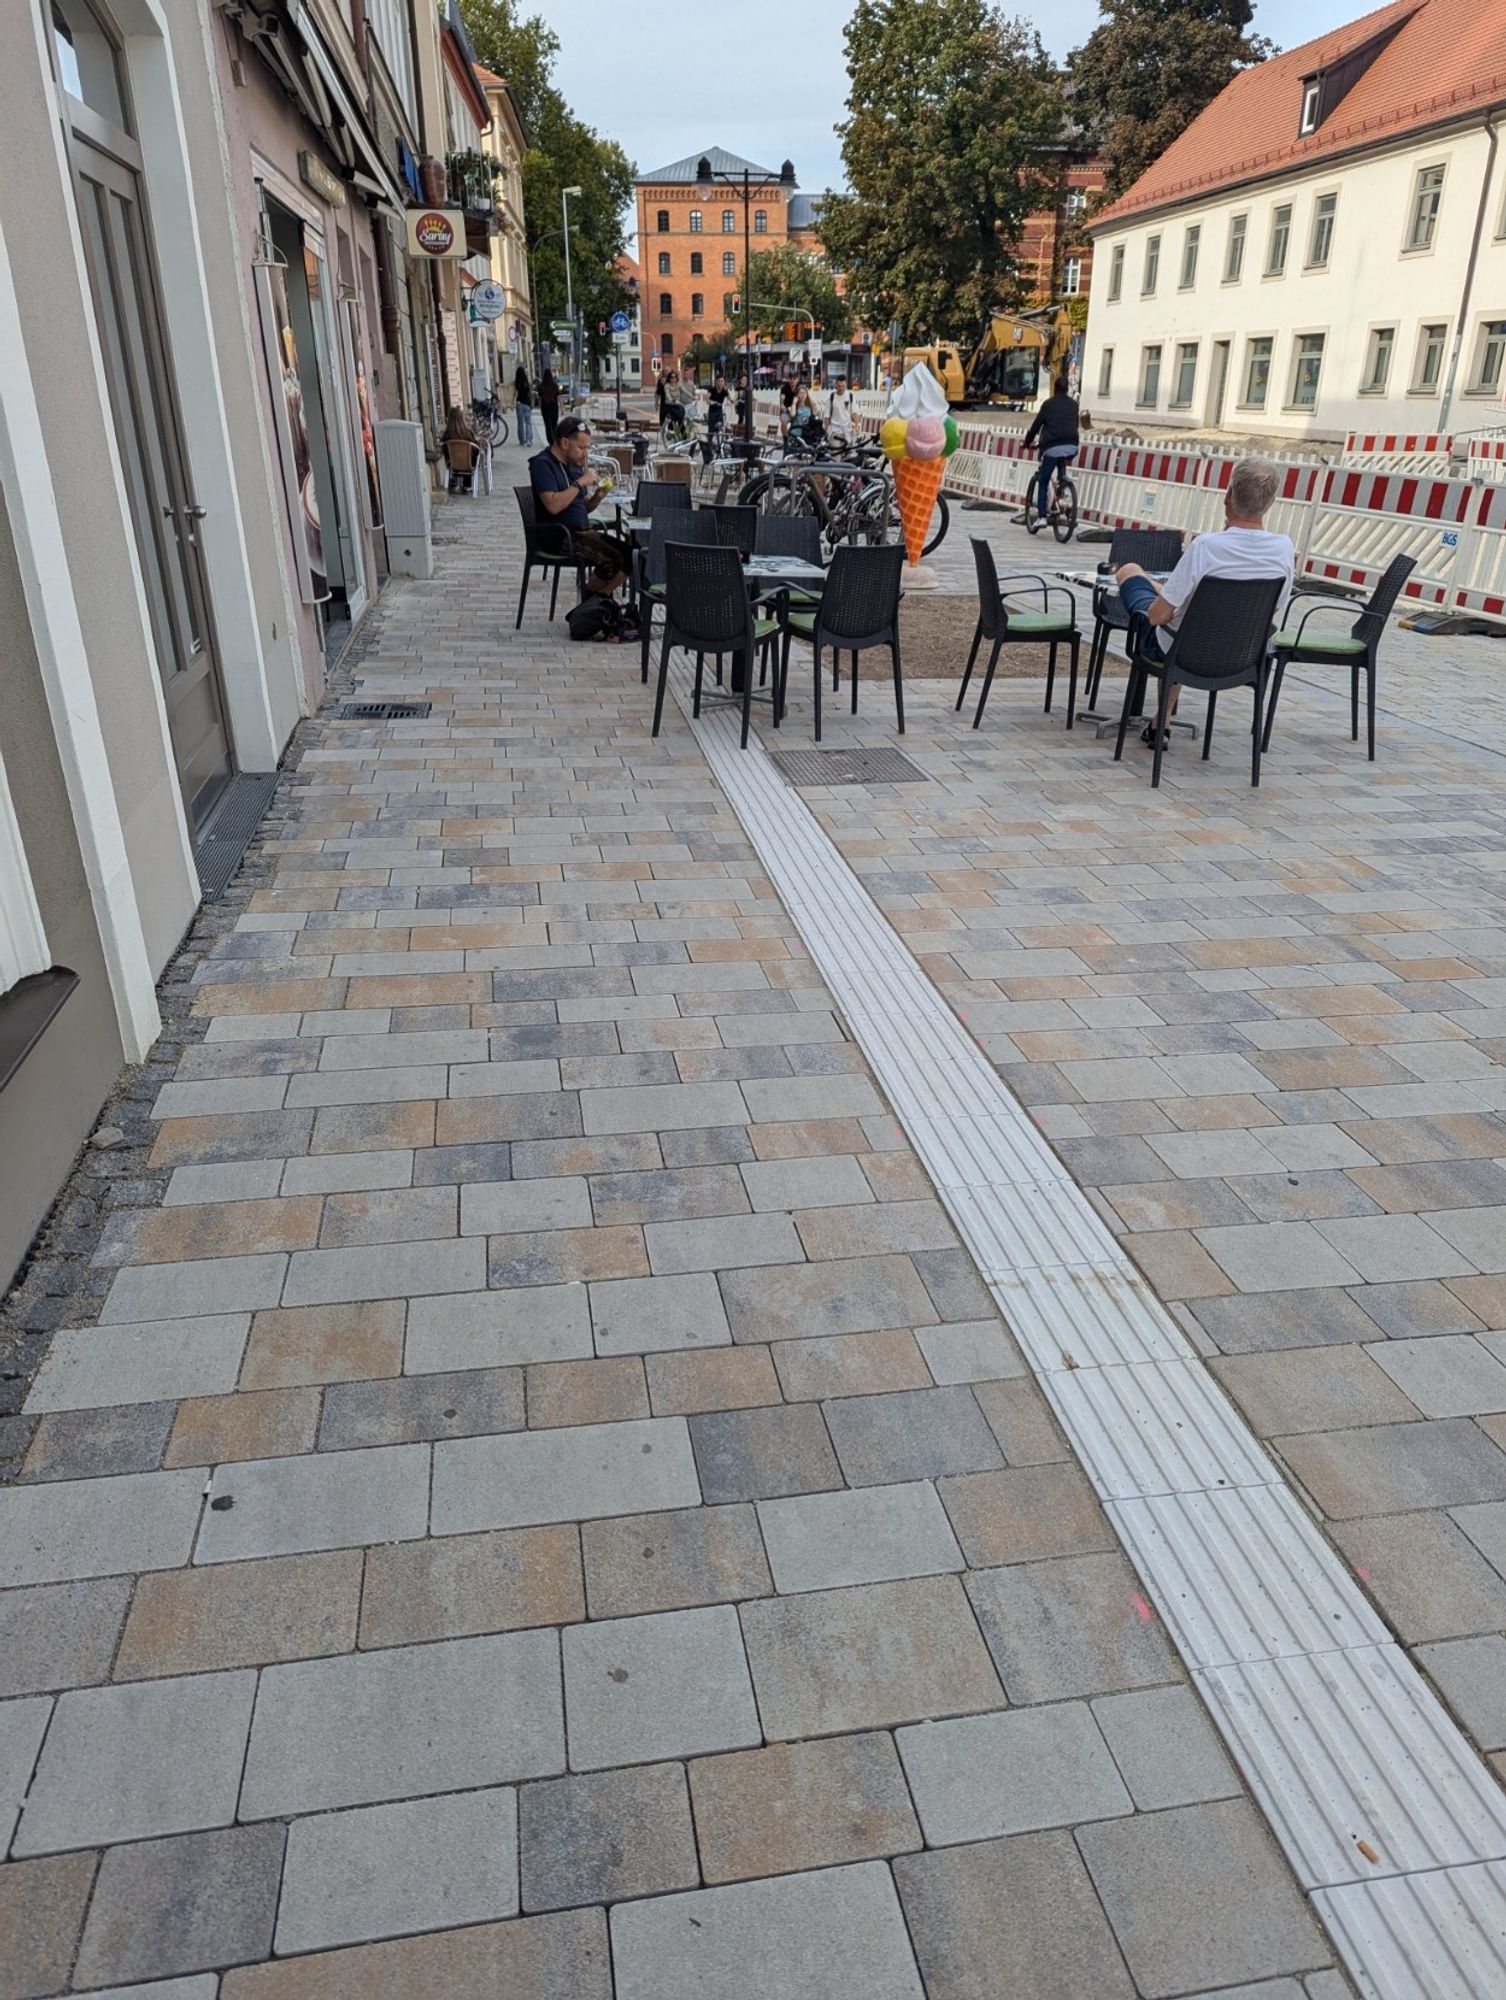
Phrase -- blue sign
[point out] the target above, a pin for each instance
(619, 322)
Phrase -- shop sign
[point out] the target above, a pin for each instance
(315, 174)
(436, 232)
(488, 300)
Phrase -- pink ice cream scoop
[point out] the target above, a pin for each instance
(926, 437)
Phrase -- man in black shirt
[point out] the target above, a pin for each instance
(1056, 425)
(567, 492)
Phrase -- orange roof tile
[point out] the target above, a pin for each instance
(1445, 61)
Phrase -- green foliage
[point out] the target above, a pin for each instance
(1149, 68)
(950, 109)
(562, 152)
(782, 278)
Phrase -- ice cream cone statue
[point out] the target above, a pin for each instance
(917, 437)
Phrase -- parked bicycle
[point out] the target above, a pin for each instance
(1061, 510)
(489, 420)
(853, 497)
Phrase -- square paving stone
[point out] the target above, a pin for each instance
(1286, 1256)
(176, 1906)
(189, 1621)
(721, 1243)
(1267, 1322)
(1446, 1375)
(1312, 1389)
(718, 1378)
(1426, 1307)
(414, 1408)
(985, 1775)
(403, 1722)
(1472, 1675)
(763, 1453)
(1427, 1576)
(41, 1912)
(1387, 1248)
(804, 1301)
(1393, 1468)
(1025, 1903)
(1024, 1513)
(801, 1805)
(1486, 1528)
(250, 1423)
(1070, 1627)
(392, 1870)
(562, 1957)
(348, 1343)
(384, 1271)
(504, 1208)
(912, 1434)
(649, 1315)
(1199, 1896)
(670, 1195)
(1165, 1748)
(459, 1584)
(59, 1635)
(490, 1329)
(97, 1527)
(1021, 1420)
(585, 1392)
(706, 1145)
(825, 1540)
(532, 1477)
(1475, 1234)
(84, 1444)
(850, 1364)
(836, 1934)
(605, 1836)
(978, 1350)
(674, 1684)
(283, 1506)
(832, 1180)
(671, 1562)
(866, 1658)
(125, 1763)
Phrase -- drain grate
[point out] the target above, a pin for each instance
(228, 832)
(847, 767)
(383, 711)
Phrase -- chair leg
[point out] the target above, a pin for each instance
(663, 682)
(854, 683)
(645, 634)
(1096, 654)
(554, 590)
(695, 699)
(1354, 703)
(1370, 707)
(1208, 724)
(1074, 642)
(1256, 731)
(967, 672)
(836, 670)
(1050, 676)
(1273, 695)
(523, 599)
(747, 692)
(818, 693)
(988, 680)
(899, 684)
(1163, 711)
(1134, 690)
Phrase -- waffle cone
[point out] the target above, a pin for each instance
(917, 481)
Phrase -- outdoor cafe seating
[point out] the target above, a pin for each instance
(1355, 649)
(1006, 623)
(708, 608)
(1222, 643)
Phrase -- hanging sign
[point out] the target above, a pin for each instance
(436, 232)
(315, 174)
(488, 300)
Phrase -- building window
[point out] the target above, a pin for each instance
(667, 344)
(1150, 377)
(1280, 243)
(695, 222)
(666, 306)
(1234, 255)
(1427, 198)
(1106, 371)
(1378, 361)
(1307, 366)
(729, 263)
(695, 263)
(760, 222)
(1324, 209)
(662, 224)
(663, 263)
(1077, 202)
(1428, 370)
(1186, 375)
(1190, 242)
(1072, 277)
(697, 304)
(1116, 273)
(729, 221)
(1488, 360)
(1312, 99)
(1257, 371)
(1152, 269)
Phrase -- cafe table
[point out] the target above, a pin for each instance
(1103, 582)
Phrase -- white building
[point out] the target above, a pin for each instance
(1324, 248)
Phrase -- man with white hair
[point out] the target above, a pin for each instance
(1242, 549)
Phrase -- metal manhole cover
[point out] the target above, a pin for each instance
(227, 834)
(847, 767)
(383, 711)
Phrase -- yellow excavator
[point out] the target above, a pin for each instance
(1011, 363)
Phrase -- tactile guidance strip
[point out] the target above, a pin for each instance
(1386, 1814)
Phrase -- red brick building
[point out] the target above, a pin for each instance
(690, 243)
(1055, 253)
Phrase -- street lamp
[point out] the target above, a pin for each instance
(565, 194)
(705, 177)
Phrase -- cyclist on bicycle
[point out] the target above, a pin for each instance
(1056, 424)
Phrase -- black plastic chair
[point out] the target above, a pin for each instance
(1355, 649)
(859, 610)
(1222, 642)
(708, 610)
(656, 495)
(736, 527)
(675, 524)
(1155, 549)
(1005, 624)
(535, 556)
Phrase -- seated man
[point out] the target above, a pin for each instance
(567, 491)
(1241, 549)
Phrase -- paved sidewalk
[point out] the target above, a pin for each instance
(547, 1507)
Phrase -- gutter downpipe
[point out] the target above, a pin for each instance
(1469, 273)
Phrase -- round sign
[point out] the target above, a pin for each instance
(619, 322)
(434, 232)
(488, 299)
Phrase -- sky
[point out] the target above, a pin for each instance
(665, 83)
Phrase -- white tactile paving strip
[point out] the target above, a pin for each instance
(1386, 1814)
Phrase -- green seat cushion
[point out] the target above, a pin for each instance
(803, 621)
(1040, 624)
(766, 628)
(1314, 642)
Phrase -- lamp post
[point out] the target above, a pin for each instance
(565, 194)
(705, 177)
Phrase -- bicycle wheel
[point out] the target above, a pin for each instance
(484, 424)
(941, 520)
(1033, 521)
(787, 493)
(501, 431)
(1064, 520)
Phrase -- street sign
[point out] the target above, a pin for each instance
(813, 353)
(620, 339)
(562, 329)
(488, 300)
(619, 322)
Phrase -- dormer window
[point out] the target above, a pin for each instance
(1312, 106)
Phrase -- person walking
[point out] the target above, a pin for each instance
(839, 425)
(549, 403)
(716, 406)
(523, 396)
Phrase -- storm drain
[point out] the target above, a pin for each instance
(846, 767)
(228, 832)
(383, 711)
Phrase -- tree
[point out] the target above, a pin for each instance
(1149, 68)
(951, 109)
(562, 152)
(785, 277)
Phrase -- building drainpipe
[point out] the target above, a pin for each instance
(1469, 274)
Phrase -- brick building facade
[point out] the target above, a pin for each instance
(690, 244)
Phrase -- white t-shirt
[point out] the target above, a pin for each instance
(840, 424)
(1241, 553)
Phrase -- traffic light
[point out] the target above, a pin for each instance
(737, 304)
